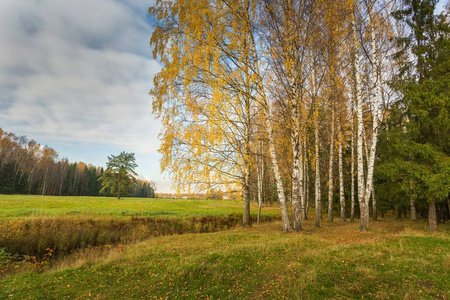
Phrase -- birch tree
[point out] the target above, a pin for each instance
(216, 45)
(291, 27)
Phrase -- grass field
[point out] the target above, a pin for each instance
(23, 206)
(31, 225)
(396, 260)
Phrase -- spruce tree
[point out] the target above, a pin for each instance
(416, 161)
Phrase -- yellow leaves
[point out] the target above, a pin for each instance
(204, 85)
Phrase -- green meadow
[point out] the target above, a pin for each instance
(397, 259)
(24, 206)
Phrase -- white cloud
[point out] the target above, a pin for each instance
(78, 71)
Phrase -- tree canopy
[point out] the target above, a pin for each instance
(119, 174)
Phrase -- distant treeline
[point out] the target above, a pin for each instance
(26, 167)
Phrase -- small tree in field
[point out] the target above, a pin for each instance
(119, 174)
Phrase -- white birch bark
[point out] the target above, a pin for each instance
(352, 175)
(374, 105)
(330, 171)
(374, 204)
(317, 202)
(269, 128)
(260, 176)
(295, 142)
(61, 183)
(367, 156)
(341, 175)
(305, 180)
(75, 177)
(359, 116)
(371, 195)
(277, 174)
(246, 220)
(44, 184)
(301, 181)
(30, 177)
(296, 207)
(297, 173)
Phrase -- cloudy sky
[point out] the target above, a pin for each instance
(75, 75)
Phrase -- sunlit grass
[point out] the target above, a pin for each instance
(396, 260)
(26, 206)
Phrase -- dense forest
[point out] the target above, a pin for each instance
(26, 167)
(338, 106)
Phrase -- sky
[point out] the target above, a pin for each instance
(75, 75)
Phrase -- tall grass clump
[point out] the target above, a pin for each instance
(33, 237)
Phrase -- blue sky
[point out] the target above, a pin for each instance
(75, 75)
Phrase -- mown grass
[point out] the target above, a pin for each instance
(26, 206)
(396, 260)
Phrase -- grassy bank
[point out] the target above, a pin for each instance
(396, 260)
(31, 206)
(38, 229)
(61, 236)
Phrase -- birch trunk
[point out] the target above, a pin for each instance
(374, 204)
(259, 206)
(44, 185)
(260, 178)
(246, 221)
(246, 190)
(318, 206)
(373, 146)
(269, 128)
(20, 177)
(75, 178)
(305, 180)
(359, 116)
(301, 182)
(17, 166)
(277, 174)
(63, 171)
(296, 152)
(371, 195)
(30, 177)
(60, 186)
(330, 171)
(306, 183)
(296, 207)
(341, 176)
(352, 177)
